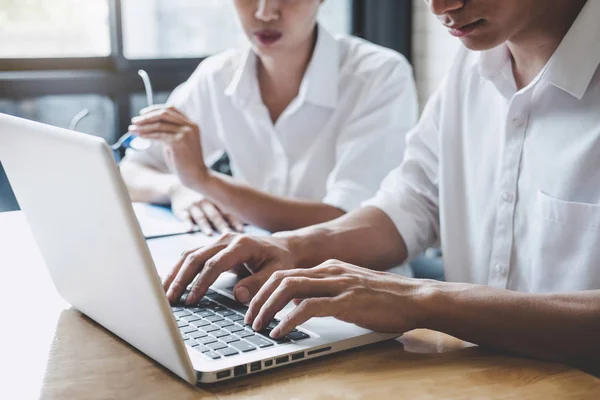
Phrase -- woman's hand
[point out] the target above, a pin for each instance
(191, 207)
(378, 301)
(180, 138)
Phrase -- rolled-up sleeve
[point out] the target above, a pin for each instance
(373, 140)
(409, 195)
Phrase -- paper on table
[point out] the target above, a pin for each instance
(157, 221)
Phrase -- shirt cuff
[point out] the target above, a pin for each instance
(405, 221)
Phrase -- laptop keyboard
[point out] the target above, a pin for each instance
(215, 328)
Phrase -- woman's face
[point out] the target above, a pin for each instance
(278, 26)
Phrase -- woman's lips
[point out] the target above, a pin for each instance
(464, 30)
(268, 36)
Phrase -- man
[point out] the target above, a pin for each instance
(501, 170)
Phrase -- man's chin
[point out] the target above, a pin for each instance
(480, 43)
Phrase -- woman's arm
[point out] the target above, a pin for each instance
(273, 213)
(147, 184)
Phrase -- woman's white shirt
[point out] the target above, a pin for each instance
(509, 181)
(334, 143)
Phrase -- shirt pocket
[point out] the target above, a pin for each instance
(566, 245)
(570, 214)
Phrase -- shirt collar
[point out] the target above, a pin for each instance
(574, 64)
(319, 84)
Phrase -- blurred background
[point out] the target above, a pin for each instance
(58, 57)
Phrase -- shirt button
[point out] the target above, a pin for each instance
(507, 197)
(501, 270)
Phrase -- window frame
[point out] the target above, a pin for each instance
(386, 22)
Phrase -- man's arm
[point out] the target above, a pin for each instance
(556, 327)
(559, 327)
(365, 237)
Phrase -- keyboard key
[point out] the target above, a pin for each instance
(234, 328)
(223, 323)
(219, 308)
(226, 313)
(201, 349)
(220, 333)
(182, 324)
(243, 346)
(200, 323)
(295, 336)
(174, 309)
(210, 292)
(259, 341)
(273, 324)
(188, 329)
(216, 346)
(192, 343)
(204, 313)
(191, 318)
(212, 355)
(182, 313)
(229, 339)
(236, 318)
(214, 318)
(206, 340)
(210, 328)
(198, 335)
(228, 352)
(245, 333)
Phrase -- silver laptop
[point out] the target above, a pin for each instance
(81, 216)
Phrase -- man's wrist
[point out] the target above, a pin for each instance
(440, 303)
(305, 246)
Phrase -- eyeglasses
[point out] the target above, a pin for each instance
(130, 140)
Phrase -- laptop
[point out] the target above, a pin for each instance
(80, 213)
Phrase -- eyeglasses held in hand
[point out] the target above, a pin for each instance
(130, 140)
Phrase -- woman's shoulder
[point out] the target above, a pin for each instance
(362, 58)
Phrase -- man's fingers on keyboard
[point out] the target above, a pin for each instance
(309, 308)
(192, 264)
(171, 276)
(236, 253)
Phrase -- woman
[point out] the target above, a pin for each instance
(311, 124)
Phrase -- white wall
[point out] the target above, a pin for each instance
(433, 50)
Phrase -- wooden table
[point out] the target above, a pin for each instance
(51, 351)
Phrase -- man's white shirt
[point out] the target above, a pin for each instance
(508, 181)
(334, 143)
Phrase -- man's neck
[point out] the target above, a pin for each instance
(532, 48)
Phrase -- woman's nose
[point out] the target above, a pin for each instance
(267, 10)
(441, 7)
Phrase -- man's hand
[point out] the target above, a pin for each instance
(378, 301)
(180, 138)
(261, 256)
(191, 207)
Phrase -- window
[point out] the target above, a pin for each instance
(197, 28)
(56, 28)
(60, 56)
(60, 110)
